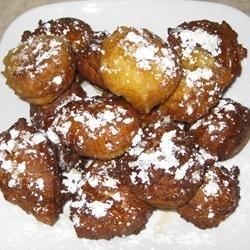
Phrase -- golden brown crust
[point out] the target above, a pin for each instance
(40, 69)
(29, 174)
(88, 61)
(211, 59)
(231, 52)
(225, 130)
(104, 208)
(139, 66)
(77, 32)
(216, 199)
(98, 127)
(198, 91)
(164, 166)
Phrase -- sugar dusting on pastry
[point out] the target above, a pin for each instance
(147, 54)
(190, 39)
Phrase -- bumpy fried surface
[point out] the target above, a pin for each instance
(164, 166)
(88, 61)
(139, 66)
(225, 130)
(40, 69)
(77, 32)
(103, 207)
(226, 49)
(98, 127)
(211, 59)
(29, 174)
(216, 199)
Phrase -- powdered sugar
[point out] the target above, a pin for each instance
(193, 76)
(218, 119)
(99, 209)
(57, 80)
(7, 166)
(167, 156)
(20, 141)
(211, 188)
(162, 158)
(38, 55)
(144, 55)
(210, 215)
(72, 181)
(66, 27)
(96, 208)
(225, 105)
(39, 183)
(190, 39)
(137, 44)
(101, 179)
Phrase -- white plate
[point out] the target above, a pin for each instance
(165, 229)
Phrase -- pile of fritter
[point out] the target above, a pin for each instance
(149, 130)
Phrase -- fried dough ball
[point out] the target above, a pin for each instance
(215, 200)
(219, 39)
(77, 32)
(199, 91)
(98, 127)
(164, 166)
(210, 57)
(88, 61)
(139, 66)
(225, 130)
(104, 208)
(40, 69)
(29, 174)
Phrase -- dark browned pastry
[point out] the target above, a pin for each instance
(225, 47)
(215, 200)
(67, 159)
(103, 207)
(98, 127)
(78, 79)
(139, 66)
(43, 116)
(29, 174)
(77, 32)
(40, 69)
(88, 61)
(211, 58)
(225, 130)
(164, 166)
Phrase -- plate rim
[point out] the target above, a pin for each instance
(116, 2)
